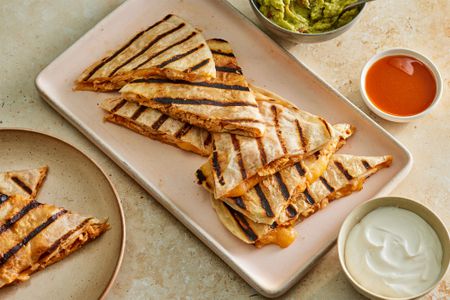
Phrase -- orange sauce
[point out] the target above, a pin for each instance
(400, 85)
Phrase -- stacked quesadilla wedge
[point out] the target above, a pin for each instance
(158, 126)
(222, 104)
(268, 199)
(239, 163)
(345, 174)
(169, 48)
(34, 235)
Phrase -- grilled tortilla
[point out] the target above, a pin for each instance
(268, 199)
(25, 183)
(239, 163)
(158, 126)
(170, 48)
(223, 104)
(344, 175)
(35, 235)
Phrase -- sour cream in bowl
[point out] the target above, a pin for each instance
(393, 248)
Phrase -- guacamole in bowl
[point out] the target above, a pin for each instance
(307, 16)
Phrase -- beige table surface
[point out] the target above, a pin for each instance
(163, 260)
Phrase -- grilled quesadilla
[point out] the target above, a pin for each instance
(170, 48)
(158, 126)
(344, 175)
(240, 162)
(35, 235)
(268, 199)
(25, 183)
(223, 104)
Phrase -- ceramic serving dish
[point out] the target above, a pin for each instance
(422, 211)
(76, 183)
(407, 52)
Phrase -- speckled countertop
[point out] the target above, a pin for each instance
(164, 260)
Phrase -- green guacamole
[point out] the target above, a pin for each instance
(307, 15)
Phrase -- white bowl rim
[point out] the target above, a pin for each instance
(341, 244)
(407, 52)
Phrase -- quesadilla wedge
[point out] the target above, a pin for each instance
(25, 183)
(35, 235)
(268, 199)
(223, 104)
(158, 126)
(170, 48)
(335, 182)
(239, 163)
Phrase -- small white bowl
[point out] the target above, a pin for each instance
(422, 211)
(406, 52)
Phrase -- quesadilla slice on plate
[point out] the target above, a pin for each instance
(268, 199)
(344, 175)
(223, 104)
(169, 48)
(34, 235)
(158, 126)
(25, 183)
(239, 163)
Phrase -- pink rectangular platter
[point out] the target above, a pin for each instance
(167, 173)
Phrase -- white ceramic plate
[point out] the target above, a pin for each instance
(76, 183)
(168, 173)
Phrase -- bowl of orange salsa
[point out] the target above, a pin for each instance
(400, 85)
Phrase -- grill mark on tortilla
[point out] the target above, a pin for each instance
(179, 56)
(317, 154)
(291, 211)
(169, 100)
(196, 83)
(264, 202)
(235, 70)
(308, 196)
(62, 239)
(326, 126)
(22, 185)
(200, 176)
(300, 169)
(274, 225)
(3, 198)
(237, 148)
(6, 256)
(138, 35)
(216, 165)
(10, 222)
(162, 118)
(165, 49)
(197, 66)
(365, 164)
(274, 110)
(218, 52)
(218, 40)
(148, 46)
(283, 187)
(208, 139)
(326, 184)
(183, 131)
(118, 106)
(343, 170)
(301, 136)
(243, 224)
(239, 202)
(262, 152)
(138, 112)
